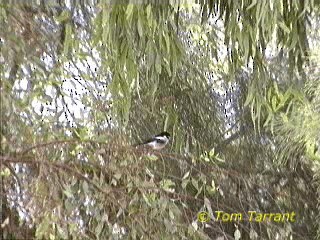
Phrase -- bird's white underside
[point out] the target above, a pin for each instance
(156, 145)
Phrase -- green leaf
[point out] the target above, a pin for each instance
(68, 39)
(249, 98)
(167, 185)
(68, 192)
(186, 175)
(139, 26)
(284, 27)
(211, 153)
(212, 188)
(274, 103)
(98, 228)
(148, 10)
(237, 234)
(152, 157)
(166, 38)
(5, 172)
(254, 2)
(184, 183)
(64, 15)
(158, 64)
(167, 67)
(85, 187)
(195, 183)
(43, 228)
(129, 11)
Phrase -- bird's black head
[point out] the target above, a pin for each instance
(164, 134)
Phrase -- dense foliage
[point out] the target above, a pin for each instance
(236, 83)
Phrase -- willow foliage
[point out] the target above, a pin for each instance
(236, 83)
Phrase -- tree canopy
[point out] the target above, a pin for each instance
(235, 83)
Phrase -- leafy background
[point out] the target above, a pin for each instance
(236, 83)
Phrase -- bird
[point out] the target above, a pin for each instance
(157, 142)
